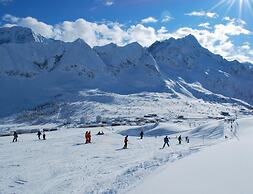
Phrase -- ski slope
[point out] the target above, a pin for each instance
(64, 164)
(223, 168)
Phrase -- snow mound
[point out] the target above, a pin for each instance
(213, 130)
(157, 129)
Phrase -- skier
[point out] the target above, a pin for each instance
(39, 134)
(15, 136)
(86, 137)
(125, 142)
(89, 137)
(166, 141)
(179, 139)
(44, 135)
(187, 140)
(141, 134)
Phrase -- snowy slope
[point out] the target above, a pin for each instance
(193, 70)
(36, 72)
(64, 164)
(224, 168)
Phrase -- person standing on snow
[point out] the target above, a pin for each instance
(39, 134)
(187, 140)
(179, 139)
(166, 141)
(86, 137)
(15, 136)
(141, 134)
(44, 135)
(89, 137)
(125, 142)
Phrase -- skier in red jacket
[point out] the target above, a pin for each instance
(86, 137)
(89, 137)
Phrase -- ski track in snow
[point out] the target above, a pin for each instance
(64, 164)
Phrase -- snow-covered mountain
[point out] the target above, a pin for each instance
(36, 70)
(193, 70)
(17, 34)
(131, 65)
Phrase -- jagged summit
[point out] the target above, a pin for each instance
(19, 35)
(190, 39)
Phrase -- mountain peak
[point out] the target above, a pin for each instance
(190, 37)
(18, 34)
(190, 40)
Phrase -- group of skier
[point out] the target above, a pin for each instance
(43, 135)
(15, 135)
(87, 137)
(166, 140)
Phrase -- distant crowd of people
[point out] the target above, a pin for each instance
(233, 125)
(87, 137)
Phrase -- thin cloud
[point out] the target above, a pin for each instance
(203, 13)
(166, 18)
(149, 20)
(205, 25)
(109, 2)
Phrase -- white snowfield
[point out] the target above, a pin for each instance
(48, 84)
(64, 164)
(225, 168)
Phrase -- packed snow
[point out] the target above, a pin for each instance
(65, 164)
(222, 168)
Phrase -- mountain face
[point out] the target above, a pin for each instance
(35, 70)
(132, 66)
(19, 35)
(195, 69)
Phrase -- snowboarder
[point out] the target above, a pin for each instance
(187, 140)
(125, 142)
(179, 139)
(39, 134)
(44, 135)
(166, 141)
(15, 136)
(141, 134)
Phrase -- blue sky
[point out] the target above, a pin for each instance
(219, 25)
